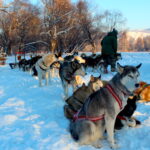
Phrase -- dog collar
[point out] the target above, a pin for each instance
(44, 69)
(114, 94)
(125, 93)
(44, 64)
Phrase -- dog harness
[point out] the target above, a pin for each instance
(114, 94)
(121, 117)
(117, 98)
(44, 66)
(77, 117)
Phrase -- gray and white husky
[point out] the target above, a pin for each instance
(67, 72)
(101, 108)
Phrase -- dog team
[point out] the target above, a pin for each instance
(99, 106)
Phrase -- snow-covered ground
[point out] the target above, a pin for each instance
(31, 117)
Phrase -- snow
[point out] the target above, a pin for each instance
(31, 117)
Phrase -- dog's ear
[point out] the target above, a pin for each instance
(99, 76)
(92, 78)
(138, 66)
(120, 68)
(56, 55)
(75, 53)
(83, 84)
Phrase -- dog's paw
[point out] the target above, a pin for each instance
(131, 122)
(97, 144)
(115, 146)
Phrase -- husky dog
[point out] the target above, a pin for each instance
(67, 73)
(22, 63)
(32, 63)
(143, 92)
(92, 60)
(101, 63)
(125, 118)
(99, 111)
(42, 67)
(75, 102)
(72, 58)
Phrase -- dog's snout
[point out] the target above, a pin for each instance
(85, 73)
(137, 85)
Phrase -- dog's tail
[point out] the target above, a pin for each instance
(82, 131)
(72, 130)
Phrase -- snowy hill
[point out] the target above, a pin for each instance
(31, 117)
(147, 30)
(136, 34)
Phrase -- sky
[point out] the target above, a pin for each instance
(136, 12)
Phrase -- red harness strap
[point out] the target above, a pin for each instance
(77, 117)
(111, 90)
(121, 117)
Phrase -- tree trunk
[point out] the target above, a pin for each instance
(8, 48)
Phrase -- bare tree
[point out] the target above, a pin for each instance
(56, 21)
(19, 25)
(123, 41)
(139, 44)
(57, 26)
(146, 41)
(114, 19)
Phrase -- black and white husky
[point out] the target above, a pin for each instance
(100, 110)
